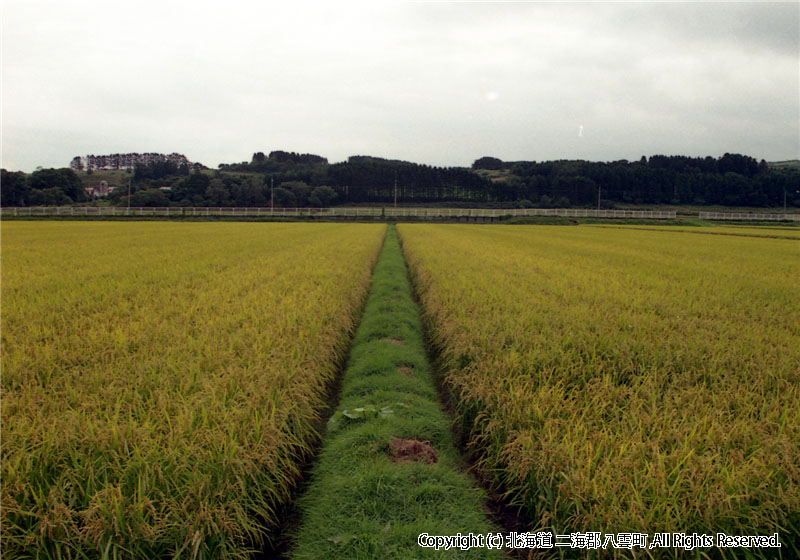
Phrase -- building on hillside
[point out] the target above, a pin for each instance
(99, 191)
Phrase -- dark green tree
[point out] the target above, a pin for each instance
(192, 189)
(14, 188)
(285, 198)
(52, 196)
(250, 192)
(217, 193)
(149, 197)
(487, 162)
(300, 190)
(64, 179)
(322, 196)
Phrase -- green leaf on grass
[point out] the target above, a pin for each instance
(347, 415)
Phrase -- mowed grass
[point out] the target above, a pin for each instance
(366, 499)
(162, 383)
(620, 380)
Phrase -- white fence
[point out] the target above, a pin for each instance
(366, 212)
(382, 212)
(749, 216)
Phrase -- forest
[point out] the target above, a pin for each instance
(290, 179)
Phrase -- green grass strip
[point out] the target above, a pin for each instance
(365, 498)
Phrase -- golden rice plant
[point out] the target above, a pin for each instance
(623, 380)
(785, 231)
(162, 383)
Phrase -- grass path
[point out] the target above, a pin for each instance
(388, 470)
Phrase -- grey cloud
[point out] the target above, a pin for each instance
(771, 26)
(435, 83)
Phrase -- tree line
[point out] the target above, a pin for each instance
(291, 179)
(731, 180)
(128, 161)
(45, 187)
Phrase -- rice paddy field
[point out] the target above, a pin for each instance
(615, 380)
(775, 232)
(163, 383)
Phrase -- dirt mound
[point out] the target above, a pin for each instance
(409, 450)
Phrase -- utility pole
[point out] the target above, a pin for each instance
(395, 192)
(129, 195)
(271, 195)
(599, 188)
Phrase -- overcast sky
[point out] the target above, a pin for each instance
(435, 83)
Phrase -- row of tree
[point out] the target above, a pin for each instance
(732, 180)
(199, 189)
(735, 163)
(277, 160)
(45, 187)
(128, 161)
(290, 179)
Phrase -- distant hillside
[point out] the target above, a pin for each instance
(296, 179)
(729, 180)
(789, 164)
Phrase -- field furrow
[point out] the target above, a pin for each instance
(388, 472)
